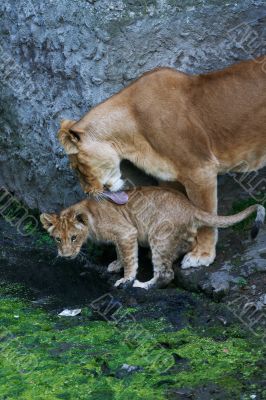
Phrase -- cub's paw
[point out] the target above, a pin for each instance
(114, 266)
(197, 258)
(142, 285)
(124, 283)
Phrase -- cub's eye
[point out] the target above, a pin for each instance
(58, 239)
(74, 238)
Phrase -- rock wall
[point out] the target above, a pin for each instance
(59, 58)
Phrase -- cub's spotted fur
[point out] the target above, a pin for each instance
(163, 219)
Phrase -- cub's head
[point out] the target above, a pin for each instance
(69, 229)
(96, 161)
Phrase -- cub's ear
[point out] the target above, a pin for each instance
(48, 221)
(82, 219)
(68, 137)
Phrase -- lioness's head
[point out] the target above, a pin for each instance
(96, 162)
(69, 230)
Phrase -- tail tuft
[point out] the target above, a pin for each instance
(259, 221)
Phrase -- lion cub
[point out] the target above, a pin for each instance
(163, 219)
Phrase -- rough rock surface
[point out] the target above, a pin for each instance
(59, 58)
(233, 272)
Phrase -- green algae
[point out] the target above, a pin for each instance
(44, 356)
(13, 289)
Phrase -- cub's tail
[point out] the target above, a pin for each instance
(205, 219)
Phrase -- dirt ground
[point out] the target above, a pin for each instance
(210, 322)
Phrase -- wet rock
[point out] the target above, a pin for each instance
(219, 283)
(242, 260)
(216, 284)
(130, 368)
(59, 60)
(222, 320)
(42, 301)
(204, 392)
(126, 370)
(253, 289)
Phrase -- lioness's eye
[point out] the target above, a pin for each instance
(74, 238)
(58, 239)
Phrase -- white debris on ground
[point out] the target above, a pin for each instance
(70, 313)
(129, 368)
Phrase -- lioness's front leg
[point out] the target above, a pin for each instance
(204, 196)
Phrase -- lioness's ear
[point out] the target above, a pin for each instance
(82, 219)
(66, 123)
(67, 137)
(48, 221)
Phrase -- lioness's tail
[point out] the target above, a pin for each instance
(206, 219)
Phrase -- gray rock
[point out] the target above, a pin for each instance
(219, 278)
(130, 368)
(254, 257)
(58, 59)
(220, 282)
(214, 283)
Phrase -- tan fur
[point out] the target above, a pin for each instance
(163, 219)
(176, 126)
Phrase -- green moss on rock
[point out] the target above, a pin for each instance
(44, 356)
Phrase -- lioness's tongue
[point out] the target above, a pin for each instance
(117, 197)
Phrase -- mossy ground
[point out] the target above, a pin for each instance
(44, 356)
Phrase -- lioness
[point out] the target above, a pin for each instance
(176, 127)
(163, 219)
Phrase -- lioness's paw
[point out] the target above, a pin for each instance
(114, 266)
(196, 259)
(124, 283)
